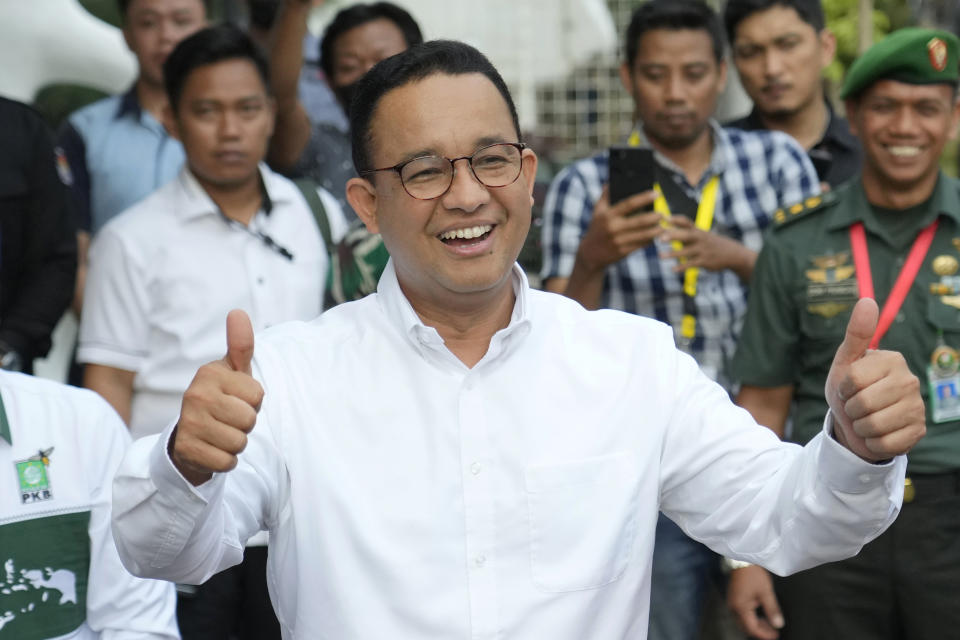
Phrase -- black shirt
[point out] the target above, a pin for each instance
(38, 245)
(836, 157)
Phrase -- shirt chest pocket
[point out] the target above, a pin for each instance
(582, 521)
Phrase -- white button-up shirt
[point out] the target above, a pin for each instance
(409, 496)
(60, 576)
(164, 274)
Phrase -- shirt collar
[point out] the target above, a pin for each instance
(400, 312)
(721, 156)
(944, 201)
(5, 433)
(195, 202)
(837, 131)
(129, 104)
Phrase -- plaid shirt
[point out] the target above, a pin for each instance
(759, 172)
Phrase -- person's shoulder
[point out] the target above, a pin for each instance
(344, 322)
(800, 217)
(603, 325)
(25, 388)
(14, 113)
(953, 182)
(742, 124)
(97, 112)
(766, 138)
(146, 219)
(590, 169)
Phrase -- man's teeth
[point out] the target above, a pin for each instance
(466, 234)
(904, 152)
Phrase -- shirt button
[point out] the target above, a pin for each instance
(865, 478)
(468, 386)
(480, 561)
(475, 468)
(260, 280)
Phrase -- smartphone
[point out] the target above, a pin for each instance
(631, 171)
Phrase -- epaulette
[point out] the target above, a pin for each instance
(802, 209)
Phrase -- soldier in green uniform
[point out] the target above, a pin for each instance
(892, 234)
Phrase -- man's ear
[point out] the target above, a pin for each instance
(272, 108)
(850, 108)
(955, 117)
(828, 47)
(721, 75)
(170, 122)
(626, 78)
(362, 196)
(529, 170)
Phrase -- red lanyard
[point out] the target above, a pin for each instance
(861, 260)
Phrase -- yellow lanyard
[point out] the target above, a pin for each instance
(703, 221)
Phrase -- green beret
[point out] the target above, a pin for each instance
(913, 55)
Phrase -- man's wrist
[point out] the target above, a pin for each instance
(586, 266)
(729, 565)
(196, 478)
(841, 438)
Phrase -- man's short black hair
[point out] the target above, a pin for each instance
(123, 5)
(358, 14)
(416, 63)
(209, 46)
(736, 11)
(673, 15)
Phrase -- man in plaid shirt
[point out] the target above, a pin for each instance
(625, 256)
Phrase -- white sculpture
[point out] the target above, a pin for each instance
(44, 42)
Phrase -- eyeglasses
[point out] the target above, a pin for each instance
(429, 177)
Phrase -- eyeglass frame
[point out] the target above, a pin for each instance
(519, 146)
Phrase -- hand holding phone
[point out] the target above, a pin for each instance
(631, 171)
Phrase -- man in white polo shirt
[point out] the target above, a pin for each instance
(61, 576)
(226, 233)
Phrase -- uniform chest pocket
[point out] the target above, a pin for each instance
(582, 521)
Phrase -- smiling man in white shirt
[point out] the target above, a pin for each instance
(460, 456)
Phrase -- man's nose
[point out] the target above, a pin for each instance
(904, 121)
(229, 124)
(772, 64)
(674, 90)
(466, 192)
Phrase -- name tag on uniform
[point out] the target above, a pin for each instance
(944, 382)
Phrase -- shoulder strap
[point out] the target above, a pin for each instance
(680, 203)
(786, 215)
(309, 190)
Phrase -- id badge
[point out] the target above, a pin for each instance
(944, 396)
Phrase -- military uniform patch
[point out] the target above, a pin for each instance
(937, 49)
(831, 287)
(34, 481)
(63, 167)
